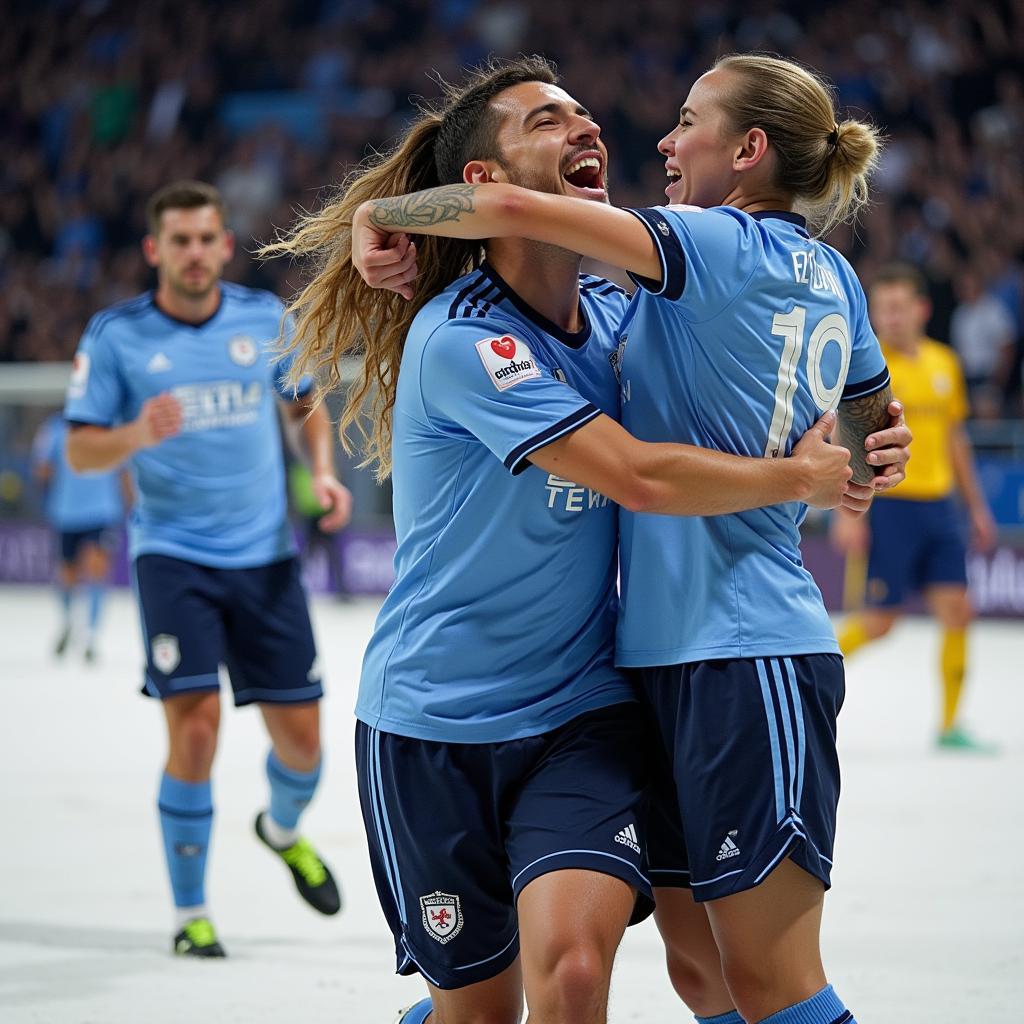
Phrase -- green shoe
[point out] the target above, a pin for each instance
(312, 877)
(198, 938)
(958, 738)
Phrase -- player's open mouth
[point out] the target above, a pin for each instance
(674, 178)
(585, 175)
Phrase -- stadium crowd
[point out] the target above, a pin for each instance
(103, 101)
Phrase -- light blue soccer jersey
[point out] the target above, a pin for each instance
(501, 621)
(214, 494)
(75, 501)
(754, 330)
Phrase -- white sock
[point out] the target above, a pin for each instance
(278, 835)
(185, 914)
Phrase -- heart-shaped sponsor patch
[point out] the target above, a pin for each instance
(504, 347)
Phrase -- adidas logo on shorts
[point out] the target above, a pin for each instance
(627, 836)
(728, 848)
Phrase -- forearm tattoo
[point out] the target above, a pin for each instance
(858, 419)
(421, 209)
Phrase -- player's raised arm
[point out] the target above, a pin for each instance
(499, 210)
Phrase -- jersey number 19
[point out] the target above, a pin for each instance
(790, 327)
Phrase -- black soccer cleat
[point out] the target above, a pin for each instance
(198, 939)
(313, 878)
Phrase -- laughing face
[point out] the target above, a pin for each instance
(549, 143)
(699, 150)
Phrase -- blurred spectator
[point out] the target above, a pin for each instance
(982, 334)
(102, 103)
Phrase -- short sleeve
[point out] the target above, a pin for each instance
(96, 392)
(479, 378)
(283, 366)
(707, 257)
(868, 372)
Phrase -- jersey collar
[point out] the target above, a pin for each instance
(577, 340)
(787, 215)
(187, 323)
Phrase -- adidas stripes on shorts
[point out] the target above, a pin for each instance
(456, 831)
(750, 773)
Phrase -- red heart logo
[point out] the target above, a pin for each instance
(504, 347)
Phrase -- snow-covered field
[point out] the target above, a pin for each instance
(925, 922)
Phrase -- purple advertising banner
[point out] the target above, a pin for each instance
(363, 558)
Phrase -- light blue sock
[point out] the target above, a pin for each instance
(732, 1017)
(97, 592)
(417, 1014)
(186, 816)
(824, 1007)
(64, 593)
(290, 791)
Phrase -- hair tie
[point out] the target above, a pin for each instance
(833, 136)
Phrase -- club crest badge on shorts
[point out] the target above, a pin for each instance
(442, 916)
(166, 654)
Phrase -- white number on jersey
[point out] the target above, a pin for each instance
(790, 327)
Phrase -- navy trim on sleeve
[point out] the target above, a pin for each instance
(867, 387)
(518, 459)
(670, 252)
(87, 423)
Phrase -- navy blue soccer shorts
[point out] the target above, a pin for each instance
(457, 830)
(914, 545)
(255, 621)
(72, 541)
(750, 772)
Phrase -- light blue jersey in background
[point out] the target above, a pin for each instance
(501, 620)
(75, 502)
(754, 330)
(214, 494)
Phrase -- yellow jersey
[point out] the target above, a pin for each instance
(931, 387)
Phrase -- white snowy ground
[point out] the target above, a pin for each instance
(925, 923)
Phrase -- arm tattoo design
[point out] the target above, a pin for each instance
(420, 209)
(857, 419)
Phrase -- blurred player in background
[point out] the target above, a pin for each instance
(85, 510)
(913, 538)
(181, 383)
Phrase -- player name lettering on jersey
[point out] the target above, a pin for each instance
(807, 270)
(221, 403)
(570, 496)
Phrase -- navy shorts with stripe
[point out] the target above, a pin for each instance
(914, 545)
(255, 621)
(72, 541)
(750, 771)
(457, 830)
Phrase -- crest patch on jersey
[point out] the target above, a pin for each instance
(507, 360)
(442, 916)
(166, 653)
(79, 375)
(242, 350)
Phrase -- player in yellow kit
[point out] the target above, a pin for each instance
(913, 537)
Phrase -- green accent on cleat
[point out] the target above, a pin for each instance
(958, 738)
(312, 877)
(198, 938)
